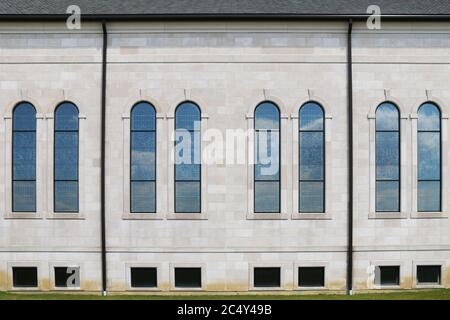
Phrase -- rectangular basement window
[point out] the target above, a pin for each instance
(143, 277)
(188, 277)
(25, 277)
(67, 277)
(389, 276)
(264, 277)
(429, 275)
(311, 277)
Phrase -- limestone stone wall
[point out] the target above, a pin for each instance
(227, 68)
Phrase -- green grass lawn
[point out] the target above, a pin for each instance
(441, 294)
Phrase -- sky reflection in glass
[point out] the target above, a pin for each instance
(66, 158)
(187, 158)
(267, 158)
(429, 158)
(143, 158)
(24, 158)
(311, 159)
(387, 158)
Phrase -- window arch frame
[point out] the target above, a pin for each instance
(13, 131)
(55, 130)
(324, 157)
(255, 148)
(151, 105)
(200, 210)
(399, 164)
(418, 180)
(405, 168)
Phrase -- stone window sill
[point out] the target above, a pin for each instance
(311, 289)
(142, 216)
(388, 215)
(65, 216)
(429, 286)
(267, 289)
(23, 215)
(311, 216)
(187, 216)
(266, 216)
(380, 287)
(13, 289)
(144, 290)
(429, 215)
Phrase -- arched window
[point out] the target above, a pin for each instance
(24, 158)
(387, 154)
(187, 158)
(267, 159)
(429, 158)
(311, 158)
(143, 158)
(66, 158)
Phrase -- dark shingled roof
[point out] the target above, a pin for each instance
(224, 8)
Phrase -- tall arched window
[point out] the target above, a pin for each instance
(143, 158)
(267, 159)
(429, 158)
(187, 158)
(311, 158)
(387, 154)
(24, 158)
(66, 158)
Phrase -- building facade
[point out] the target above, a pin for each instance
(234, 239)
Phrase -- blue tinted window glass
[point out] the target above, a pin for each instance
(187, 149)
(267, 117)
(267, 196)
(143, 158)
(267, 166)
(387, 155)
(387, 196)
(311, 159)
(143, 155)
(387, 158)
(429, 153)
(267, 158)
(429, 118)
(429, 158)
(311, 155)
(66, 117)
(66, 158)
(66, 155)
(387, 117)
(187, 172)
(187, 116)
(312, 196)
(24, 155)
(311, 117)
(24, 158)
(188, 158)
(143, 196)
(24, 117)
(67, 196)
(143, 117)
(429, 196)
(187, 197)
(24, 196)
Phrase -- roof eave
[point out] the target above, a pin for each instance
(153, 17)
